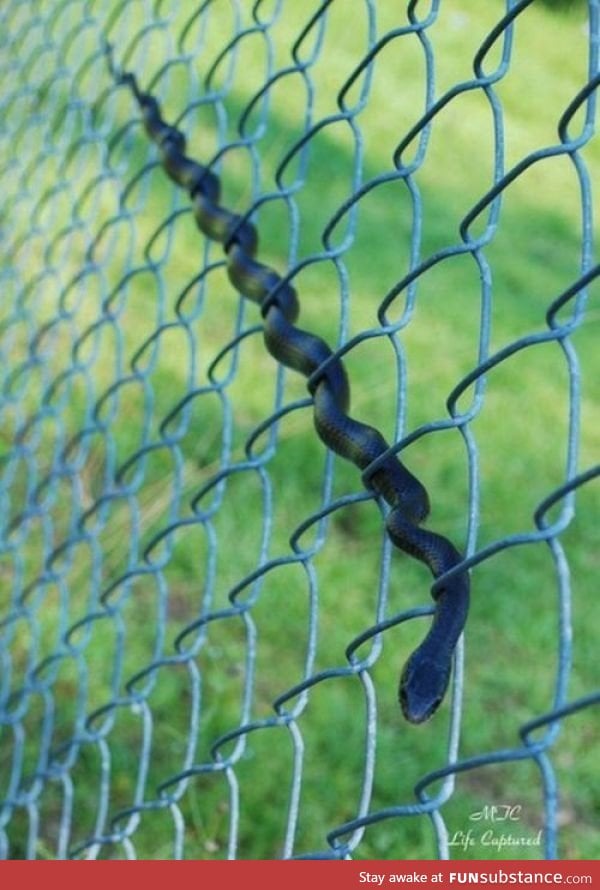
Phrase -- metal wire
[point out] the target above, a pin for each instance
(178, 680)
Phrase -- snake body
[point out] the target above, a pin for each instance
(425, 676)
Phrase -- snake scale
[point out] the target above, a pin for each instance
(426, 674)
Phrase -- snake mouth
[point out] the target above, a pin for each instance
(418, 712)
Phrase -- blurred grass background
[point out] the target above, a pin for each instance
(95, 278)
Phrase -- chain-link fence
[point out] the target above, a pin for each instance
(203, 620)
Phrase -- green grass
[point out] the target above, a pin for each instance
(520, 434)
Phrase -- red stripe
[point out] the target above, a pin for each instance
(303, 875)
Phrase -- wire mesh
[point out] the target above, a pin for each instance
(202, 622)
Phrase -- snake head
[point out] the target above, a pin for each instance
(423, 685)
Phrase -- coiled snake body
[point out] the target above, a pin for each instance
(425, 676)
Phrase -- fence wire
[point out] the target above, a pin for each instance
(202, 622)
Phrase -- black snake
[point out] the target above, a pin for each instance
(425, 676)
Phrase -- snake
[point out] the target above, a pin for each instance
(425, 677)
